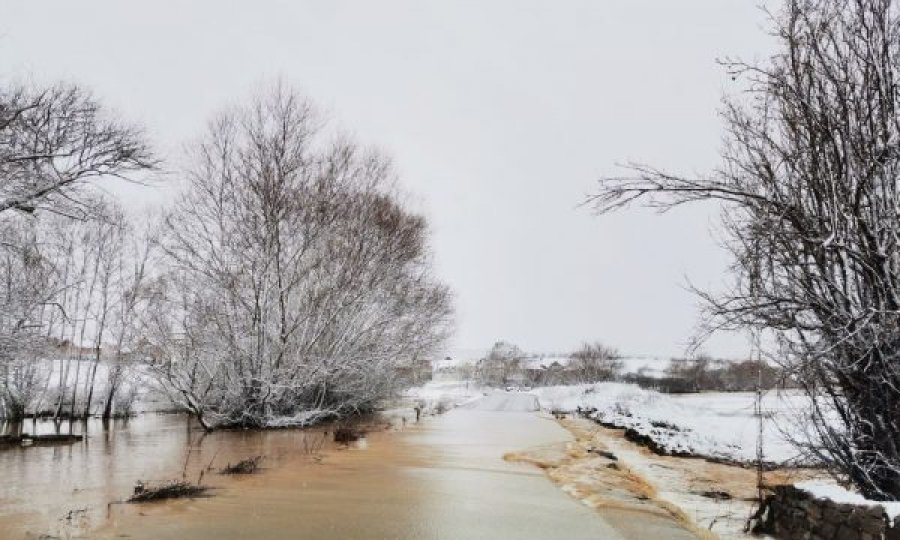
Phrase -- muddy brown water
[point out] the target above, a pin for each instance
(65, 490)
(444, 477)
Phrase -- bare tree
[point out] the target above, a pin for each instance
(73, 295)
(134, 267)
(594, 362)
(502, 364)
(809, 183)
(297, 279)
(28, 286)
(697, 372)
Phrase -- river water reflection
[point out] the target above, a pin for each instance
(65, 490)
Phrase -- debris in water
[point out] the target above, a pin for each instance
(38, 440)
(347, 435)
(717, 495)
(169, 490)
(245, 466)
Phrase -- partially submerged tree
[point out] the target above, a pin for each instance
(127, 295)
(29, 286)
(809, 182)
(56, 143)
(82, 309)
(298, 280)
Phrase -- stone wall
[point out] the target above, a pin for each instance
(793, 514)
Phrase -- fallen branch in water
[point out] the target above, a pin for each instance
(246, 466)
(169, 490)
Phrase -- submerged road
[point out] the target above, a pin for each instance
(504, 421)
(484, 496)
(444, 478)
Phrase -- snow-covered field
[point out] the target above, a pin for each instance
(715, 425)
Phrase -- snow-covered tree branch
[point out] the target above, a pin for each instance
(809, 181)
(298, 282)
(54, 141)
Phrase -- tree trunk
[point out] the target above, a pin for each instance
(108, 405)
(90, 390)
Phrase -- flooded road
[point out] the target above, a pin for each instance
(442, 478)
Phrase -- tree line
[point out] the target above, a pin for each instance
(288, 283)
(507, 364)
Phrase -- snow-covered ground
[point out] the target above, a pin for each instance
(715, 425)
(436, 395)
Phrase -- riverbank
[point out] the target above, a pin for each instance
(720, 426)
(716, 498)
(692, 453)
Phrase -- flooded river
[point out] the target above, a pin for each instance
(444, 477)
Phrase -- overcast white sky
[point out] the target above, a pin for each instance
(500, 115)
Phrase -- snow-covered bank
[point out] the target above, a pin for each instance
(720, 426)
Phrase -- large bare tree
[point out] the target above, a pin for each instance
(298, 280)
(809, 182)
